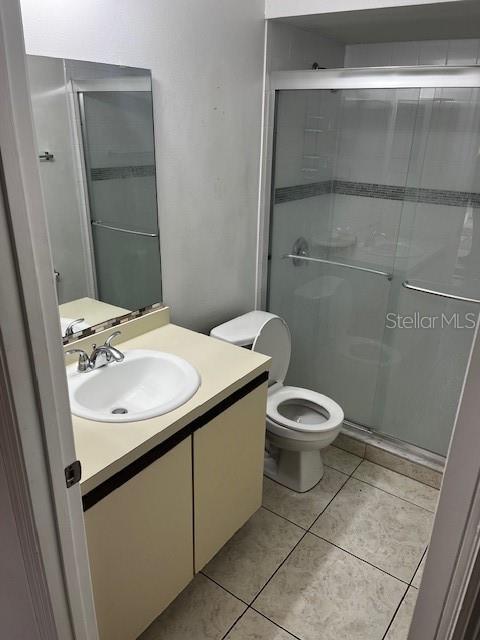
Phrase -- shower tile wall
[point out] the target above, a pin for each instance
(435, 52)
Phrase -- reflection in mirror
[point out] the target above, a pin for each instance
(94, 130)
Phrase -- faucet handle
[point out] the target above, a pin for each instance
(83, 361)
(108, 341)
(69, 330)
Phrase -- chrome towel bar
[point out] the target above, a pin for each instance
(440, 294)
(293, 256)
(134, 233)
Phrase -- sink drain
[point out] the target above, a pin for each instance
(119, 410)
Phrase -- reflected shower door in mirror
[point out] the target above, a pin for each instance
(94, 129)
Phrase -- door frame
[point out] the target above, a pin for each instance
(33, 355)
(450, 573)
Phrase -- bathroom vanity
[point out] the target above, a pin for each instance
(162, 496)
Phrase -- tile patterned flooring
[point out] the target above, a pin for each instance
(340, 562)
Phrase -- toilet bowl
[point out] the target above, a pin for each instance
(300, 422)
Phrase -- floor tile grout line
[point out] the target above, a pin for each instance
(233, 625)
(418, 567)
(361, 460)
(284, 517)
(349, 552)
(347, 476)
(250, 606)
(344, 473)
(291, 551)
(276, 624)
(280, 515)
(306, 531)
(394, 470)
(225, 589)
(278, 569)
(395, 613)
(309, 530)
(392, 494)
(359, 558)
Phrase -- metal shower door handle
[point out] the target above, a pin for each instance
(300, 251)
(439, 294)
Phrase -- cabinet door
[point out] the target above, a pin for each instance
(228, 457)
(140, 542)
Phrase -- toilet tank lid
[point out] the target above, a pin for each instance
(242, 330)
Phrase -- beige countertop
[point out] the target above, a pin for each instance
(105, 448)
(94, 311)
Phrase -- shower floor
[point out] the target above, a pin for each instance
(342, 561)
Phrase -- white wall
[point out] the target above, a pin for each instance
(290, 48)
(207, 66)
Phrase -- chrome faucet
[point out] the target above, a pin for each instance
(69, 331)
(100, 356)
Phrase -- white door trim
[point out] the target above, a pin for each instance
(33, 352)
(455, 538)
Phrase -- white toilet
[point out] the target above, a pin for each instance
(300, 422)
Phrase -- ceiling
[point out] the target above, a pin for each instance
(437, 21)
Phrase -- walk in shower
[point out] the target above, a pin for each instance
(374, 249)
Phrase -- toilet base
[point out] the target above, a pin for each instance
(297, 470)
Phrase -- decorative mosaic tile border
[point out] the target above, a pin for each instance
(134, 171)
(112, 322)
(443, 197)
(301, 191)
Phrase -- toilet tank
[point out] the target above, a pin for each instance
(242, 330)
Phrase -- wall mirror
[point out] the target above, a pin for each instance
(94, 131)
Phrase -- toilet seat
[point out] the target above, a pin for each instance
(296, 434)
(319, 402)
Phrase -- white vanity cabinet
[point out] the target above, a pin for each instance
(228, 457)
(140, 543)
(157, 522)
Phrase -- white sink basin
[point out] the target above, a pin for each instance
(146, 384)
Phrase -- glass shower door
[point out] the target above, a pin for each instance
(337, 153)
(432, 311)
(117, 130)
(375, 250)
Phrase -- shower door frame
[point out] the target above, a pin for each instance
(417, 77)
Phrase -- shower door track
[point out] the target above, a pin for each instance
(392, 445)
(415, 77)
